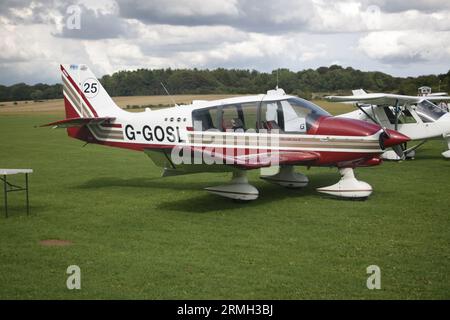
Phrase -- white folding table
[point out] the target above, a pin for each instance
(9, 187)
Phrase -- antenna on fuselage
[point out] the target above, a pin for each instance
(277, 79)
(167, 91)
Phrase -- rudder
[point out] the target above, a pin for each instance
(84, 95)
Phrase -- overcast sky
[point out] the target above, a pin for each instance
(398, 37)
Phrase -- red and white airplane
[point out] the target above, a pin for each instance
(235, 135)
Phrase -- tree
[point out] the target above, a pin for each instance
(333, 79)
(37, 95)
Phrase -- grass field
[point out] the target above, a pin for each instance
(136, 235)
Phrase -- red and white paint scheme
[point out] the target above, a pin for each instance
(272, 130)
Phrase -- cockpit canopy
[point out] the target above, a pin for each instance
(428, 111)
(290, 115)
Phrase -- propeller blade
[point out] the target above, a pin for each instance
(388, 135)
(383, 136)
(399, 151)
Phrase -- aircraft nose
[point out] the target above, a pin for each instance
(345, 127)
(394, 138)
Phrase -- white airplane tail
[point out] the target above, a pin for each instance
(358, 92)
(84, 95)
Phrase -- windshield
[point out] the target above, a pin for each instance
(313, 108)
(290, 115)
(428, 111)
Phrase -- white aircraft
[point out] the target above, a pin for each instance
(414, 116)
(231, 135)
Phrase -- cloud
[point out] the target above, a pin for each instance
(194, 12)
(251, 15)
(401, 5)
(93, 24)
(403, 38)
(404, 47)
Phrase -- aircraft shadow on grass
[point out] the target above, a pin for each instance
(437, 157)
(207, 202)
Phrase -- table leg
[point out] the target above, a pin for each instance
(26, 189)
(6, 196)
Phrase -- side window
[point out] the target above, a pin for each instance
(248, 113)
(271, 116)
(404, 117)
(231, 119)
(205, 119)
(214, 114)
(390, 114)
(294, 117)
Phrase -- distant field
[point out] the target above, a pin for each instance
(136, 235)
(57, 105)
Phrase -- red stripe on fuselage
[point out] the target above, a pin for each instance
(326, 158)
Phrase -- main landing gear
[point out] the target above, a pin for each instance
(239, 188)
(348, 186)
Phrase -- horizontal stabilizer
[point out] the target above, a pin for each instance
(77, 122)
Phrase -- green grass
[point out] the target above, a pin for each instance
(136, 235)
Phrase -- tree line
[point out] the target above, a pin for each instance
(305, 83)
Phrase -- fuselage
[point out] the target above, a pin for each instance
(271, 122)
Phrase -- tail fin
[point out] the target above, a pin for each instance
(84, 96)
(359, 92)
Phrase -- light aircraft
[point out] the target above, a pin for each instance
(414, 116)
(271, 130)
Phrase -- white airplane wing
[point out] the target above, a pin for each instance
(385, 99)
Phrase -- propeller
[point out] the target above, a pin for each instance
(398, 149)
(375, 120)
(385, 134)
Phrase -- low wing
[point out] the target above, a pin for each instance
(261, 159)
(385, 99)
(77, 122)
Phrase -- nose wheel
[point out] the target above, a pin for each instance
(348, 186)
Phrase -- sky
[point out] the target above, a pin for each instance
(401, 38)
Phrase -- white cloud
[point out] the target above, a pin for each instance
(403, 38)
(406, 46)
